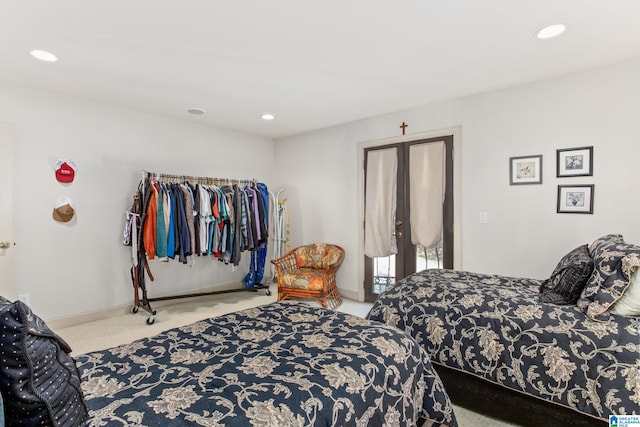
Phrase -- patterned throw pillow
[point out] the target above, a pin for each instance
(331, 256)
(310, 256)
(614, 263)
(39, 381)
(568, 278)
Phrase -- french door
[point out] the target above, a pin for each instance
(381, 272)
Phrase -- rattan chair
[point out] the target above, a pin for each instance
(309, 271)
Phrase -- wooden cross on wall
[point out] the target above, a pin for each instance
(403, 126)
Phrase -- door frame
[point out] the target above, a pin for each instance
(457, 161)
(7, 257)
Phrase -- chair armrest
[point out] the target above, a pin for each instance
(285, 263)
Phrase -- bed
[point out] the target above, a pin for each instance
(281, 364)
(499, 330)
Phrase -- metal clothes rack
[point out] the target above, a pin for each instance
(205, 180)
(141, 297)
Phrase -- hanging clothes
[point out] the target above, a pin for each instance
(187, 220)
(205, 216)
(161, 229)
(170, 211)
(258, 257)
(279, 230)
(149, 227)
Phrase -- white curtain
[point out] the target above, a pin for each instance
(427, 187)
(380, 203)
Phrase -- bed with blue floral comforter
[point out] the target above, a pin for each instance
(495, 328)
(281, 364)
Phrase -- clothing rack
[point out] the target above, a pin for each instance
(205, 180)
(133, 236)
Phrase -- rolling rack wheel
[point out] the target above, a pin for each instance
(260, 287)
(151, 319)
(134, 309)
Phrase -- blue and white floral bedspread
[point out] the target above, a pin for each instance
(282, 364)
(494, 327)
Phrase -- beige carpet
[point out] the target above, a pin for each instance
(106, 333)
(101, 334)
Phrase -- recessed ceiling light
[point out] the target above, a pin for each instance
(268, 116)
(43, 55)
(551, 31)
(196, 111)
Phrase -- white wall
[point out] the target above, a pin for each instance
(82, 266)
(525, 236)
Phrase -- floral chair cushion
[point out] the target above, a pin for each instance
(614, 262)
(310, 256)
(331, 256)
(304, 278)
(317, 255)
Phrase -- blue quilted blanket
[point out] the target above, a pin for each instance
(282, 364)
(494, 327)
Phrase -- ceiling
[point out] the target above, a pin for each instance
(312, 64)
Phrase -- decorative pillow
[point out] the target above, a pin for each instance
(39, 381)
(568, 278)
(310, 256)
(331, 256)
(614, 262)
(629, 304)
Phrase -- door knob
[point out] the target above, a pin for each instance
(5, 245)
(399, 234)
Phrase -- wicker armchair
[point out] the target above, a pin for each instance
(310, 272)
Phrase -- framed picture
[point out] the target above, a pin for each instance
(575, 162)
(525, 170)
(575, 199)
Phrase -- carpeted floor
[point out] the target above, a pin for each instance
(118, 330)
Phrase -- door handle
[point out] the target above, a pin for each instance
(5, 245)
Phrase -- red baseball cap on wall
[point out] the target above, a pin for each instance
(65, 171)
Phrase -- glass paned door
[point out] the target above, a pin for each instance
(429, 258)
(384, 273)
(380, 272)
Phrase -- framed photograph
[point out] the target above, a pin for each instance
(575, 199)
(575, 162)
(525, 170)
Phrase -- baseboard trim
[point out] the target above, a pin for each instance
(89, 316)
(119, 310)
(350, 295)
